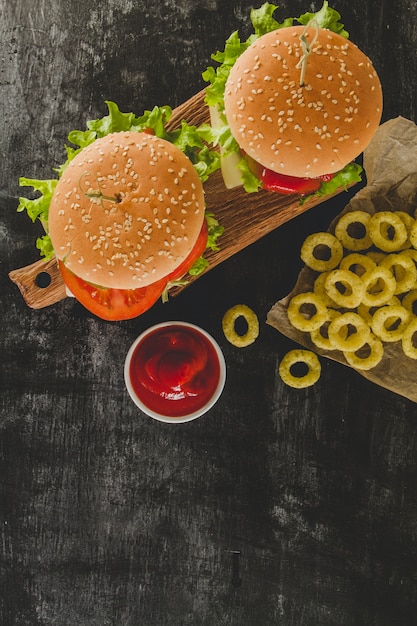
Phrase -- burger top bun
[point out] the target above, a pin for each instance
(126, 211)
(309, 129)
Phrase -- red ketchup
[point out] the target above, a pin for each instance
(174, 370)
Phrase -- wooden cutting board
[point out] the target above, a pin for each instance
(245, 217)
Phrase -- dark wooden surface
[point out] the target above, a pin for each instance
(279, 507)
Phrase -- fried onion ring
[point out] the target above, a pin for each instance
(352, 287)
(403, 269)
(367, 312)
(376, 255)
(368, 356)
(389, 322)
(320, 336)
(409, 301)
(413, 233)
(387, 231)
(379, 287)
(360, 264)
(352, 230)
(407, 340)
(409, 222)
(412, 253)
(307, 311)
(229, 325)
(319, 289)
(321, 244)
(308, 359)
(340, 335)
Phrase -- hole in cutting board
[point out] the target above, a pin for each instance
(43, 280)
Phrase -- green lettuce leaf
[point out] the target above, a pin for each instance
(37, 208)
(199, 267)
(263, 21)
(221, 136)
(226, 59)
(44, 245)
(251, 182)
(214, 231)
(193, 142)
(349, 175)
(326, 18)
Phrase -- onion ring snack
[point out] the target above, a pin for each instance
(306, 358)
(413, 234)
(307, 311)
(360, 264)
(407, 340)
(229, 325)
(367, 312)
(352, 230)
(318, 288)
(320, 336)
(403, 269)
(379, 287)
(412, 253)
(333, 251)
(340, 335)
(376, 255)
(409, 222)
(371, 294)
(389, 322)
(387, 231)
(409, 301)
(352, 286)
(368, 356)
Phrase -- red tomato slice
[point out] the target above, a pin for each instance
(280, 183)
(112, 304)
(195, 254)
(123, 304)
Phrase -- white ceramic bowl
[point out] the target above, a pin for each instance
(189, 416)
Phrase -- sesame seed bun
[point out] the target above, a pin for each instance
(126, 211)
(307, 130)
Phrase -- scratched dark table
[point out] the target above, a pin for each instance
(279, 507)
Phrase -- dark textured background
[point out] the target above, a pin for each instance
(279, 507)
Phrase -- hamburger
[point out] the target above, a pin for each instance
(295, 105)
(126, 217)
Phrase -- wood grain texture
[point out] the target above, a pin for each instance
(286, 507)
(40, 283)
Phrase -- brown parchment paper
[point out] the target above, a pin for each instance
(390, 164)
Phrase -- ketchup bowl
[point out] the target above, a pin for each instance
(175, 372)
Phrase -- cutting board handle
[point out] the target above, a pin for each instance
(40, 283)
